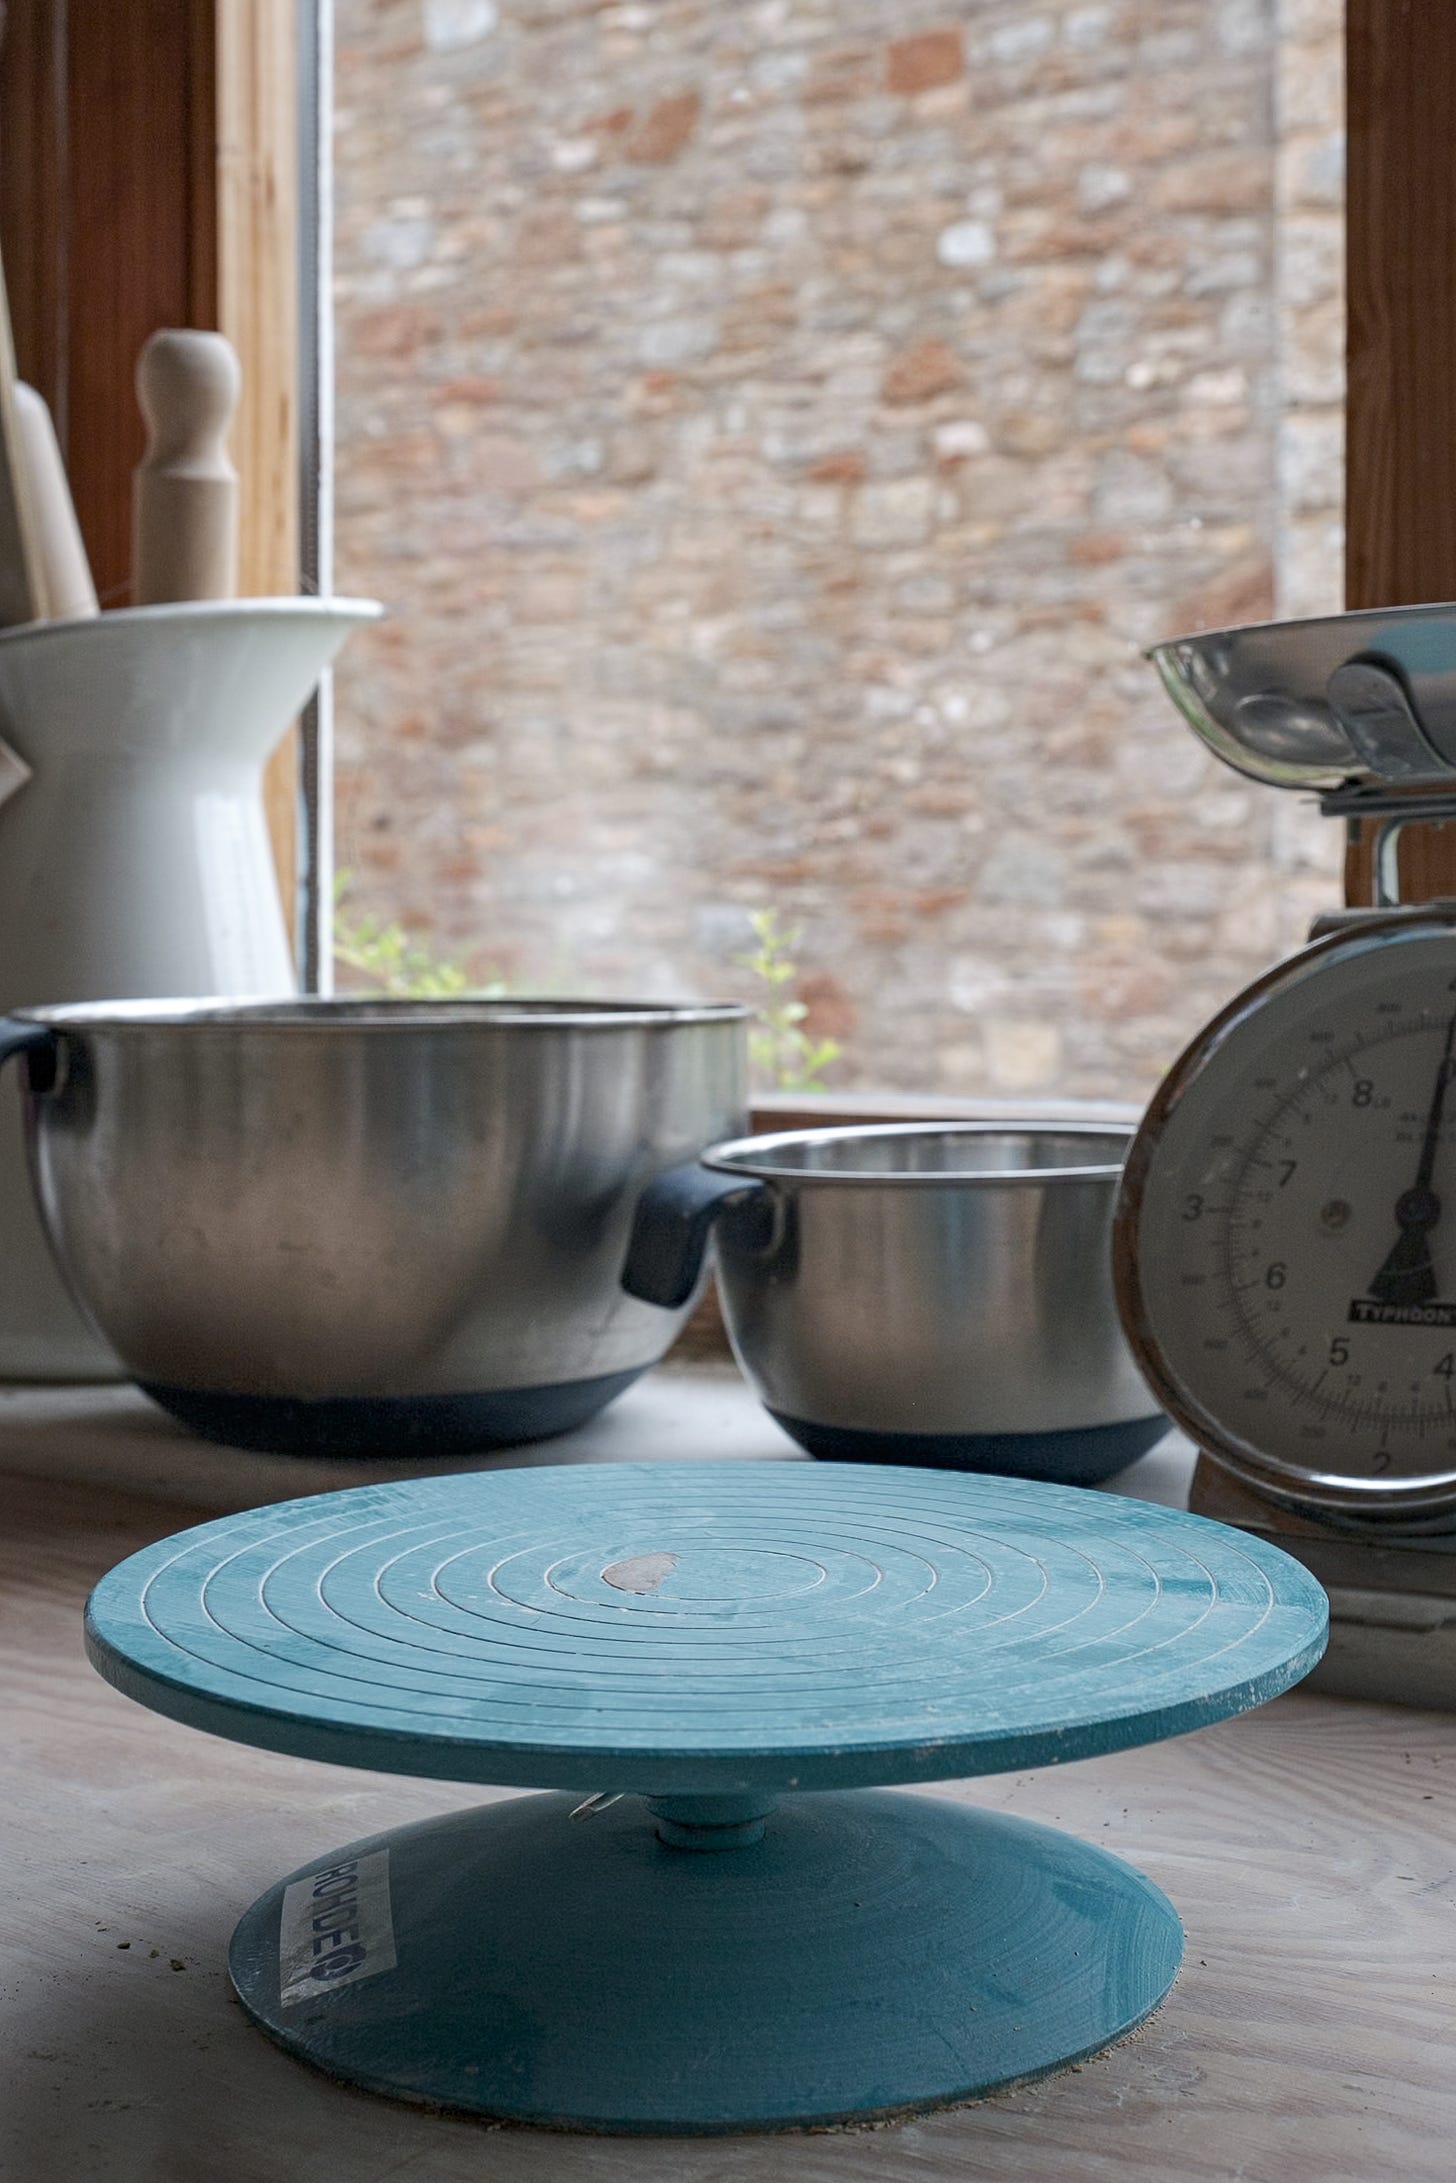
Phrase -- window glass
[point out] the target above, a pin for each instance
(776, 429)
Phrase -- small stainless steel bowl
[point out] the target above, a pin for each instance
(935, 1293)
(334, 1226)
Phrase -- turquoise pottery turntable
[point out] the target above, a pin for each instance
(719, 1917)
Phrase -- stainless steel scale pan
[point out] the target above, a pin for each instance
(1347, 702)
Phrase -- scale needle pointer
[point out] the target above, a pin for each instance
(1407, 1276)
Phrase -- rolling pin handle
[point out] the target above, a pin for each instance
(185, 489)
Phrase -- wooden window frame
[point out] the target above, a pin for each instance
(1400, 418)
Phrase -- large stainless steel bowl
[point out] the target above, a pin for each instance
(351, 1224)
(921, 1293)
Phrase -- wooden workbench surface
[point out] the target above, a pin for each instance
(1311, 1849)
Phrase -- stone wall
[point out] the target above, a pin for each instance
(776, 428)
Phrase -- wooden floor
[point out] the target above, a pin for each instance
(1311, 2037)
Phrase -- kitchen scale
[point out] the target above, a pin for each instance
(676, 1937)
(1285, 1241)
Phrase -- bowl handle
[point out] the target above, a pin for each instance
(36, 1039)
(671, 1227)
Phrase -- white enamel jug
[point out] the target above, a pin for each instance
(135, 861)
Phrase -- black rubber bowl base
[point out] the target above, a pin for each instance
(1080, 1457)
(390, 1425)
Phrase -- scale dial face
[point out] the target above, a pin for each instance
(1285, 1241)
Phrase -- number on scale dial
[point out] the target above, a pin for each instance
(1286, 1237)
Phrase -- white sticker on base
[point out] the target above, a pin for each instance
(336, 1928)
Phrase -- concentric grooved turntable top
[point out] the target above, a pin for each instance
(705, 1627)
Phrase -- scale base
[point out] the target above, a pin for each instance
(1392, 1599)
(685, 1967)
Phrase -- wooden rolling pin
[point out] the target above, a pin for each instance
(65, 571)
(185, 489)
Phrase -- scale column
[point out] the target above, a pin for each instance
(711, 1822)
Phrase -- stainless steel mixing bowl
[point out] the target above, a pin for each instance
(922, 1293)
(337, 1225)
